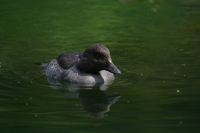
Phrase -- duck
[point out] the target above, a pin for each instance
(93, 66)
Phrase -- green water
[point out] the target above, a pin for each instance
(155, 43)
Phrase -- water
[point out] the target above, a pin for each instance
(155, 43)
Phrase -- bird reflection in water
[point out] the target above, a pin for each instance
(92, 97)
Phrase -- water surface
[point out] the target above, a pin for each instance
(155, 43)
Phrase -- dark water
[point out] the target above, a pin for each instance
(155, 43)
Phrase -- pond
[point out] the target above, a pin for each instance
(155, 44)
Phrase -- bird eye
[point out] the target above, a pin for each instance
(98, 57)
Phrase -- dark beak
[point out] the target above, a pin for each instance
(112, 68)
